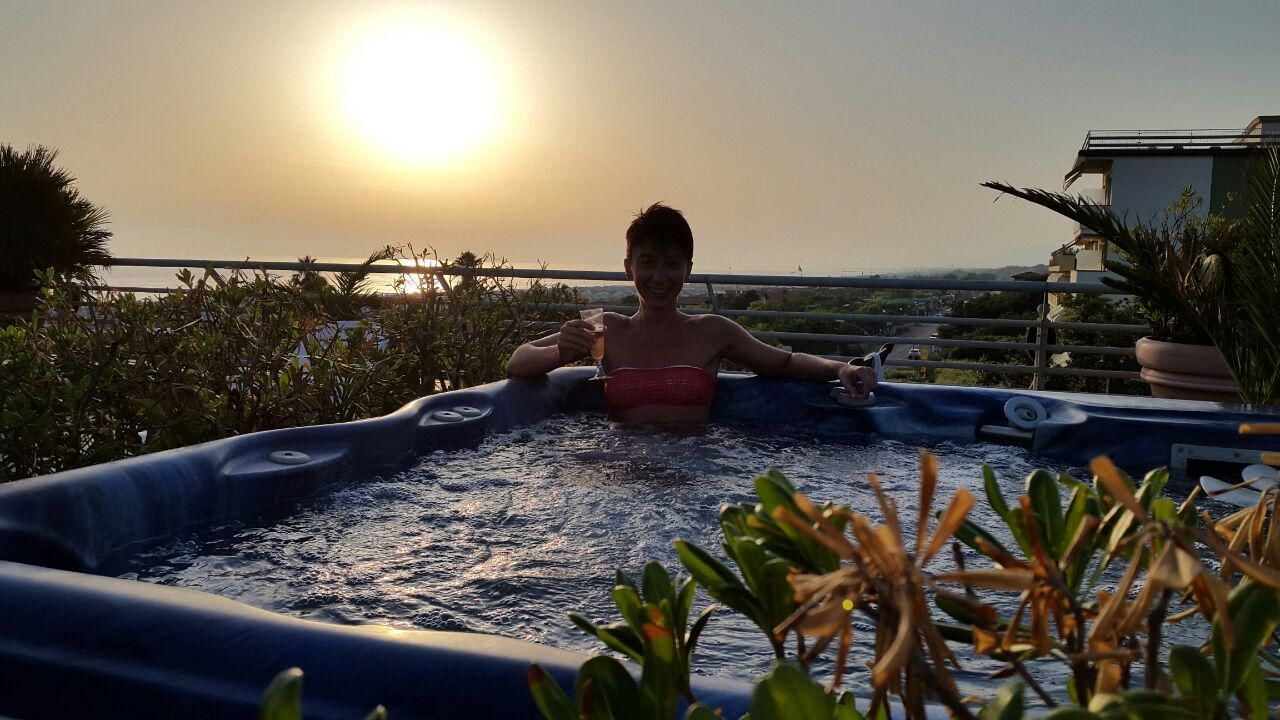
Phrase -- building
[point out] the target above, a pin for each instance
(1140, 173)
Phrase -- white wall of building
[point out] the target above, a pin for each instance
(1143, 187)
(1088, 259)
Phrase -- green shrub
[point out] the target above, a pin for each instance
(92, 376)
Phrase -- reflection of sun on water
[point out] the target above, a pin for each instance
(421, 91)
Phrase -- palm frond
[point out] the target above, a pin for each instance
(1255, 284)
(44, 222)
(1152, 263)
(354, 283)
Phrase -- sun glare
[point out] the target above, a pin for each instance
(415, 280)
(421, 92)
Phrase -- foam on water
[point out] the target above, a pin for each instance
(508, 537)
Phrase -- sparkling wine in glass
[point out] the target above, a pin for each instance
(595, 316)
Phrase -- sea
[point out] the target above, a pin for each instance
(151, 280)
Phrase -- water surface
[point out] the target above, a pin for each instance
(507, 537)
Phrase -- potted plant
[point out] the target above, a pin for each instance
(44, 223)
(1175, 268)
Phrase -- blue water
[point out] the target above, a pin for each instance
(508, 537)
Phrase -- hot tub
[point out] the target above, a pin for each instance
(73, 643)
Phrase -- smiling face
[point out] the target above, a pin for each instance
(659, 271)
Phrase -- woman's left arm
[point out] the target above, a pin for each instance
(743, 349)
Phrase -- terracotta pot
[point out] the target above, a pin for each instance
(1186, 372)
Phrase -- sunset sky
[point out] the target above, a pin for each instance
(836, 136)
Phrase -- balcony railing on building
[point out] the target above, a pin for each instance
(1210, 139)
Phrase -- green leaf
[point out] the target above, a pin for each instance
(1069, 481)
(955, 633)
(613, 690)
(656, 583)
(1008, 704)
(696, 631)
(741, 601)
(774, 492)
(787, 693)
(968, 533)
(660, 679)
(621, 578)
(1254, 692)
(1165, 510)
(623, 639)
(992, 487)
(583, 624)
(1122, 522)
(798, 548)
(1152, 485)
(750, 558)
(282, 699)
(547, 695)
(733, 520)
(847, 709)
(1192, 673)
(1077, 509)
(1042, 488)
(706, 570)
(776, 476)
(775, 595)
(765, 529)
(629, 604)
(957, 611)
(684, 603)
(996, 500)
(1254, 610)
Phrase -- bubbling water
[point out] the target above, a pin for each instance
(508, 537)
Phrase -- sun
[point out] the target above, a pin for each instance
(421, 91)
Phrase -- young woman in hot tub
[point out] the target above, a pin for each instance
(662, 363)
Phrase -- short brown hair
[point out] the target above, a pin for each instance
(665, 227)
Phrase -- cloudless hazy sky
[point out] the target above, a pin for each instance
(833, 135)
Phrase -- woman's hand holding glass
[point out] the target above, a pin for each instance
(576, 339)
(595, 316)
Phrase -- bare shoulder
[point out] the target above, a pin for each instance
(717, 325)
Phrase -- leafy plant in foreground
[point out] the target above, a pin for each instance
(1065, 534)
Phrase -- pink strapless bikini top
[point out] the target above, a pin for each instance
(675, 385)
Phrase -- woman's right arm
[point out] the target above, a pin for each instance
(541, 356)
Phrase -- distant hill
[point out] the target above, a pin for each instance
(1004, 272)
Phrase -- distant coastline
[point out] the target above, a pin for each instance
(145, 277)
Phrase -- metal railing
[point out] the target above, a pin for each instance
(1040, 349)
(1176, 139)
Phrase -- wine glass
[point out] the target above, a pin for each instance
(595, 316)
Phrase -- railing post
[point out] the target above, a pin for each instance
(1042, 342)
(713, 302)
